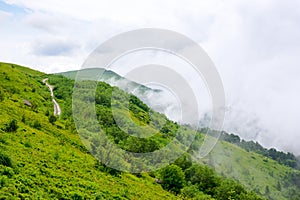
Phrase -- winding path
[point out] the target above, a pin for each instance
(57, 110)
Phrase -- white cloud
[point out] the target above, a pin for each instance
(254, 45)
(4, 15)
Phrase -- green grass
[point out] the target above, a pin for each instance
(51, 162)
(254, 171)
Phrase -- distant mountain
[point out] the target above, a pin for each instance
(288, 159)
(159, 100)
(109, 77)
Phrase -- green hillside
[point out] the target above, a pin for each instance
(49, 161)
(266, 176)
(109, 77)
(42, 158)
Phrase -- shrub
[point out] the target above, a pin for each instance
(5, 160)
(3, 181)
(1, 96)
(229, 189)
(193, 193)
(184, 161)
(52, 119)
(56, 156)
(202, 176)
(7, 171)
(47, 113)
(36, 124)
(23, 119)
(27, 144)
(12, 126)
(173, 178)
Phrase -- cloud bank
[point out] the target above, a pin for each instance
(255, 46)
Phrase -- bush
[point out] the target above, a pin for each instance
(1, 96)
(27, 144)
(202, 176)
(12, 126)
(229, 190)
(184, 161)
(7, 171)
(36, 124)
(47, 113)
(193, 193)
(172, 178)
(23, 119)
(52, 119)
(5, 160)
(3, 181)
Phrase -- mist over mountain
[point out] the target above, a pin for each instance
(67, 148)
(157, 98)
(238, 121)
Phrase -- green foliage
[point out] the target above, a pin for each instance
(12, 126)
(203, 177)
(193, 192)
(7, 171)
(5, 160)
(184, 161)
(23, 119)
(229, 189)
(63, 168)
(287, 159)
(172, 178)
(47, 113)
(1, 95)
(249, 196)
(267, 190)
(36, 124)
(27, 144)
(139, 109)
(52, 163)
(52, 119)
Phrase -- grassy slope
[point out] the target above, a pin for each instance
(52, 162)
(251, 169)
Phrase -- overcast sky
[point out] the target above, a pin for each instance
(255, 45)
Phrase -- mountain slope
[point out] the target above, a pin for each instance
(109, 77)
(254, 171)
(158, 99)
(49, 160)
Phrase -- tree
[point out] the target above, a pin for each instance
(249, 196)
(202, 176)
(229, 189)
(172, 178)
(184, 161)
(192, 192)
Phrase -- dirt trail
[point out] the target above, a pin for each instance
(57, 110)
